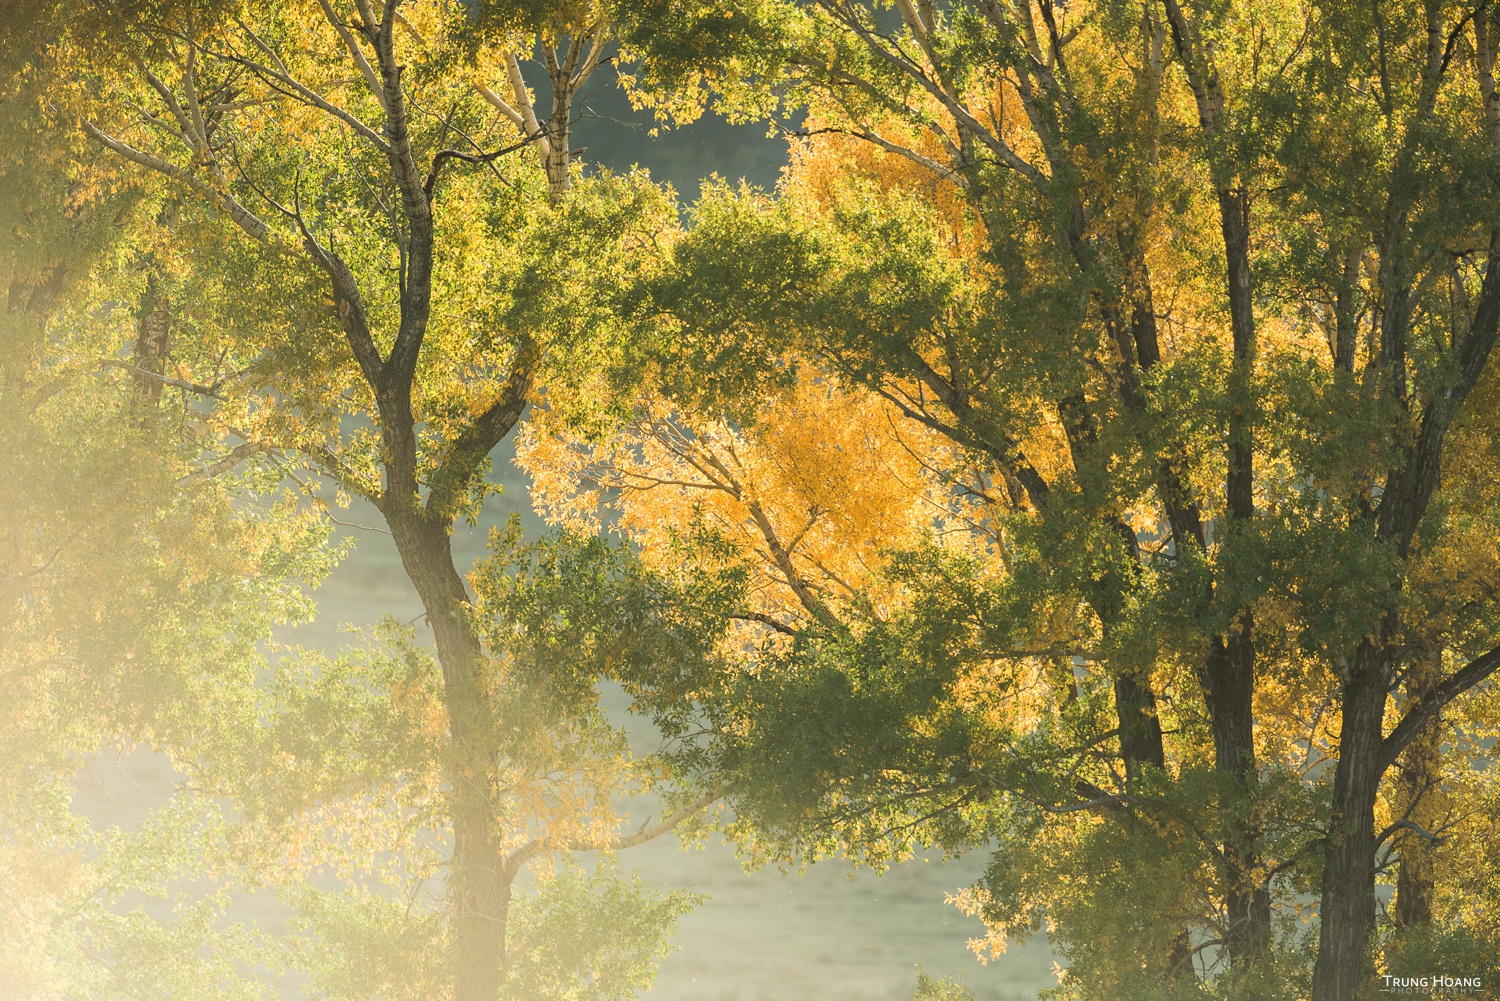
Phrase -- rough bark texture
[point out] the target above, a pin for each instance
(1231, 665)
(153, 339)
(1347, 907)
(1419, 799)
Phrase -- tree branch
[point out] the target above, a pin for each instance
(529, 123)
(365, 69)
(511, 114)
(1429, 705)
(472, 445)
(301, 91)
(443, 156)
(237, 455)
(165, 380)
(1407, 825)
(243, 217)
(962, 115)
(765, 620)
(516, 859)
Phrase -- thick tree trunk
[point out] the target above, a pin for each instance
(1140, 745)
(557, 160)
(479, 884)
(1231, 681)
(1140, 729)
(1347, 907)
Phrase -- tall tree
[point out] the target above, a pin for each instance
(387, 244)
(1181, 287)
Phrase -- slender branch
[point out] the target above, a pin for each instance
(371, 79)
(511, 114)
(237, 455)
(765, 620)
(341, 474)
(516, 859)
(869, 135)
(443, 156)
(243, 217)
(165, 380)
(306, 94)
(1407, 825)
(955, 108)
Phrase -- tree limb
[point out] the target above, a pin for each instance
(472, 445)
(165, 380)
(371, 79)
(1432, 703)
(301, 91)
(243, 217)
(765, 620)
(516, 859)
(237, 455)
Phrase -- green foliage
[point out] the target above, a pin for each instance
(591, 936)
(1174, 433)
(929, 989)
(1438, 949)
(1101, 408)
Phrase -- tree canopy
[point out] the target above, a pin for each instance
(1086, 454)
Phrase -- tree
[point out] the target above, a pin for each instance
(135, 586)
(1201, 365)
(383, 245)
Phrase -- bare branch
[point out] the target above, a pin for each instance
(765, 620)
(236, 456)
(523, 103)
(1407, 825)
(300, 90)
(511, 114)
(443, 156)
(1429, 705)
(948, 174)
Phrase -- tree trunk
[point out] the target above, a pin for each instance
(1141, 744)
(153, 338)
(559, 177)
(1347, 906)
(1140, 729)
(1231, 692)
(1420, 799)
(1231, 662)
(479, 885)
